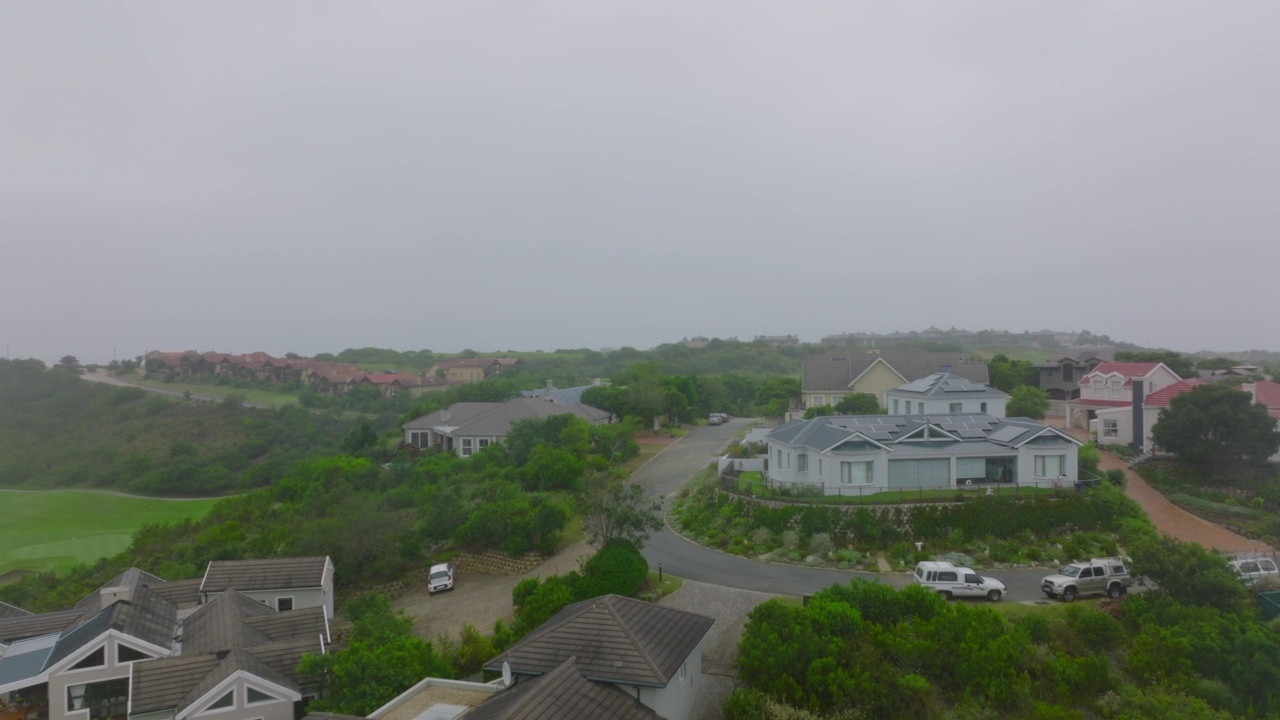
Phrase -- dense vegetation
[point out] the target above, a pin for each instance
(59, 431)
(1215, 424)
(1243, 496)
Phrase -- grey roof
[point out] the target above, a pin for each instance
(218, 625)
(9, 611)
(305, 622)
(144, 615)
(270, 574)
(822, 433)
(495, 419)
(182, 593)
(560, 693)
(560, 396)
(947, 385)
(25, 626)
(614, 638)
(837, 372)
(161, 684)
(25, 660)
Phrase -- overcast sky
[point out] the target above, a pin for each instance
(311, 176)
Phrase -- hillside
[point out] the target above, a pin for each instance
(57, 430)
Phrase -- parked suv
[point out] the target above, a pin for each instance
(440, 578)
(950, 581)
(1254, 570)
(1099, 575)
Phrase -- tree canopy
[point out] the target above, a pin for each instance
(1181, 364)
(1214, 423)
(1027, 401)
(625, 513)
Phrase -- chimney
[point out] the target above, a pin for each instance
(550, 385)
(1139, 430)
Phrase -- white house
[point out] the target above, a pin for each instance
(467, 428)
(1111, 385)
(1114, 425)
(870, 453)
(944, 393)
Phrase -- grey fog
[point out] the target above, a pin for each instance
(310, 176)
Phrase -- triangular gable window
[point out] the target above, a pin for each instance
(126, 654)
(226, 701)
(97, 658)
(256, 696)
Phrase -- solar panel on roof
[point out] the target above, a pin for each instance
(972, 433)
(879, 435)
(1007, 434)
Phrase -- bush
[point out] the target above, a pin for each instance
(791, 540)
(523, 590)
(820, 544)
(761, 537)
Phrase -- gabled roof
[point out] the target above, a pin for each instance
(614, 638)
(947, 385)
(9, 611)
(563, 692)
(824, 433)
(219, 625)
(1128, 370)
(26, 626)
(837, 372)
(1163, 396)
(561, 396)
(271, 574)
(467, 362)
(145, 615)
(495, 419)
(182, 593)
(1267, 393)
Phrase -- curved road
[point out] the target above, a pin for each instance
(670, 471)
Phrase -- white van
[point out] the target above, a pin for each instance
(952, 582)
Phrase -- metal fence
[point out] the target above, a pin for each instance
(782, 491)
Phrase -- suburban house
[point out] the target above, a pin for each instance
(1060, 377)
(390, 384)
(141, 647)
(597, 658)
(777, 340)
(469, 427)
(828, 378)
(469, 370)
(869, 453)
(281, 583)
(562, 396)
(1114, 425)
(1266, 393)
(1110, 385)
(944, 393)
(1244, 370)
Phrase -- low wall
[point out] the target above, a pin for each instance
(739, 464)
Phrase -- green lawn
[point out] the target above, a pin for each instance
(56, 529)
(256, 397)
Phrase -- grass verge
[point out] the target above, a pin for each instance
(255, 397)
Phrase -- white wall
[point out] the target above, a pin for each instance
(743, 464)
(942, 406)
(675, 701)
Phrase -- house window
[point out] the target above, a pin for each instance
(126, 654)
(986, 470)
(1068, 373)
(788, 461)
(226, 701)
(895, 406)
(484, 443)
(802, 462)
(819, 400)
(982, 407)
(779, 458)
(102, 699)
(284, 603)
(466, 447)
(956, 408)
(1110, 428)
(1050, 465)
(819, 468)
(95, 659)
(256, 696)
(855, 473)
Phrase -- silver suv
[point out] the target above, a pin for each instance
(1099, 575)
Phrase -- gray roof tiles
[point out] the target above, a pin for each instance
(826, 373)
(218, 625)
(495, 419)
(271, 574)
(161, 684)
(11, 611)
(562, 692)
(614, 638)
(947, 385)
(17, 628)
(821, 433)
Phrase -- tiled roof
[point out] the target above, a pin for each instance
(562, 693)
(823, 433)
(495, 419)
(1164, 395)
(1267, 393)
(161, 684)
(16, 628)
(614, 639)
(946, 385)
(271, 574)
(1129, 370)
(836, 372)
(9, 611)
(466, 362)
(145, 615)
(219, 625)
(182, 593)
(276, 626)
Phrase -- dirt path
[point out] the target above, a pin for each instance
(479, 600)
(1166, 516)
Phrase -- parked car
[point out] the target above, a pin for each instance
(440, 578)
(1099, 575)
(950, 581)
(715, 419)
(1255, 570)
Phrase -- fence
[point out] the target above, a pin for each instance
(731, 481)
(728, 464)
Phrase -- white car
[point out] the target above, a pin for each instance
(1254, 570)
(440, 578)
(952, 582)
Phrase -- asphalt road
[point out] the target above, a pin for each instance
(672, 469)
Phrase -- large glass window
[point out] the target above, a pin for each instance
(855, 473)
(802, 462)
(466, 447)
(1050, 465)
(101, 699)
(987, 470)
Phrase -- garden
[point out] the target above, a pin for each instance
(1244, 498)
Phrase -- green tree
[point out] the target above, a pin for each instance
(1189, 574)
(859, 404)
(1009, 374)
(624, 514)
(1214, 423)
(360, 440)
(382, 659)
(819, 411)
(1027, 401)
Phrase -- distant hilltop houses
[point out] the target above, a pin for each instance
(1052, 338)
(326, 376)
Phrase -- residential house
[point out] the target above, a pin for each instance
(1266, 393)
(836, 455)
(944, 393)
(777, 340)
(1060, 377)
(469, 427)
(827, 378)
(591, 655)
(392, 384)
(282, 583)
(1244, 370)
(697, 341)
(469, 370)
(1111, 385)
(140, 647)
(1114, 425)
(562, 396)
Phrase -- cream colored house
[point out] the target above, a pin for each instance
(829, 378)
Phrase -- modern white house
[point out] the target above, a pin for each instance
(943, 394)
(870, 453)
(1114, 425)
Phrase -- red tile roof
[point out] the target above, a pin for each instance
(467, 362)
(1129, 370)
(1267, 393)
(1163, 396)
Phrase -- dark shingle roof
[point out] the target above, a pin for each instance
(145, 616)
(271, 574)
(218, 625)
(836, 372)
(161, 684)
(562, 693)
(25, 626)
(10, 611)
(275, 626)
(614, 638)
(182, 593)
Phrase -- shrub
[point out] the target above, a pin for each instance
(1096, 629)
(761, 537)
(523, 590)
(820, 544)
(791, 540)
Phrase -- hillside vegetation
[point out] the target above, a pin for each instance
(58, 431)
